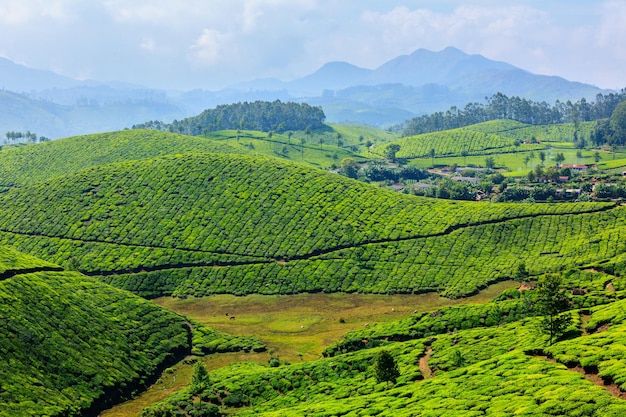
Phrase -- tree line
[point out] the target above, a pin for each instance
(500, 106)
(264, 116)
(28, 136)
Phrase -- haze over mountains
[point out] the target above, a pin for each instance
(408, 85)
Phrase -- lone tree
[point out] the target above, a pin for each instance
(391, 150)
(521, 273)
(200, 379)
(552, 304)
(559, 158)
(386, 368)
(349, 167)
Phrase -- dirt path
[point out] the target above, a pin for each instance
(423, 363)
(592, 377)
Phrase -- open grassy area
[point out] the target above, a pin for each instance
(299, 327)
(296, 328)
(176, 378)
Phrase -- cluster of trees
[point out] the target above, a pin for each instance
(611, 131)
(28, 136)
(265, 116)
(500, 106)
(380, 172)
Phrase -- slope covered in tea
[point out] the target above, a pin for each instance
(205, 223)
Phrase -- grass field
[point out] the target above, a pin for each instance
(296, 328)
(299, 327)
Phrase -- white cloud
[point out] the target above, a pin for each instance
(208, 49)
(19, 12)
(195, 42)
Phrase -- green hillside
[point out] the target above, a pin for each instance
(72, 345)
(35, 163)
(456, 142)
(497, 368)
(562, 132)
(492, 137)
(316, 149)
(208, 223)
(13, 262)
(163, 214)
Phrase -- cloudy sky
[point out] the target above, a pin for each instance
(185, 44)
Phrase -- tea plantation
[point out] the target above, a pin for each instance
(88, 224)
(203, 223)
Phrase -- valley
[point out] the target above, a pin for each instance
(296, 328)
(266, 259)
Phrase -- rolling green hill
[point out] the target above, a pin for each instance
(205, 223)
(455, 142)
(496, 136)
(163, 214)
(498, 368)
(71, 345)
(36, 163)
(562, 132)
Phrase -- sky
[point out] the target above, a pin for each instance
(210, 44)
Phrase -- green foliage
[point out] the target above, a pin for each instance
(618, 123)
(200, 379)
(207, 341)
(155, 227)
(349, 167)
(260, 115)
(443, 321)
(552, 304)
(31, 164)
(71, 344)
(603, 353)
(12, 261)
(391, 150)
(386, 368)
(521, 110)
(453, 143)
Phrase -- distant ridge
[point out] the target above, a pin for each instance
(414, 84)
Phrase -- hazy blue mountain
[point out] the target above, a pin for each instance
(331, 76)
(428, 67)
(19, 78)
(408, 85)
(422, 82)
(20, 113)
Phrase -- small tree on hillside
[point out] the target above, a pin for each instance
(552, 304)
(200, 379)
(349, 167)
(391, 150)
(559, 158)
(386, 368)
(521, 273)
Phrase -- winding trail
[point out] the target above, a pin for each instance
(590, 376)
(423, 363)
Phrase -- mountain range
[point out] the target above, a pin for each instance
(408, 85)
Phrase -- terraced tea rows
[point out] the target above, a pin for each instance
(456, 142)
(32, 164)
(207, 223)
